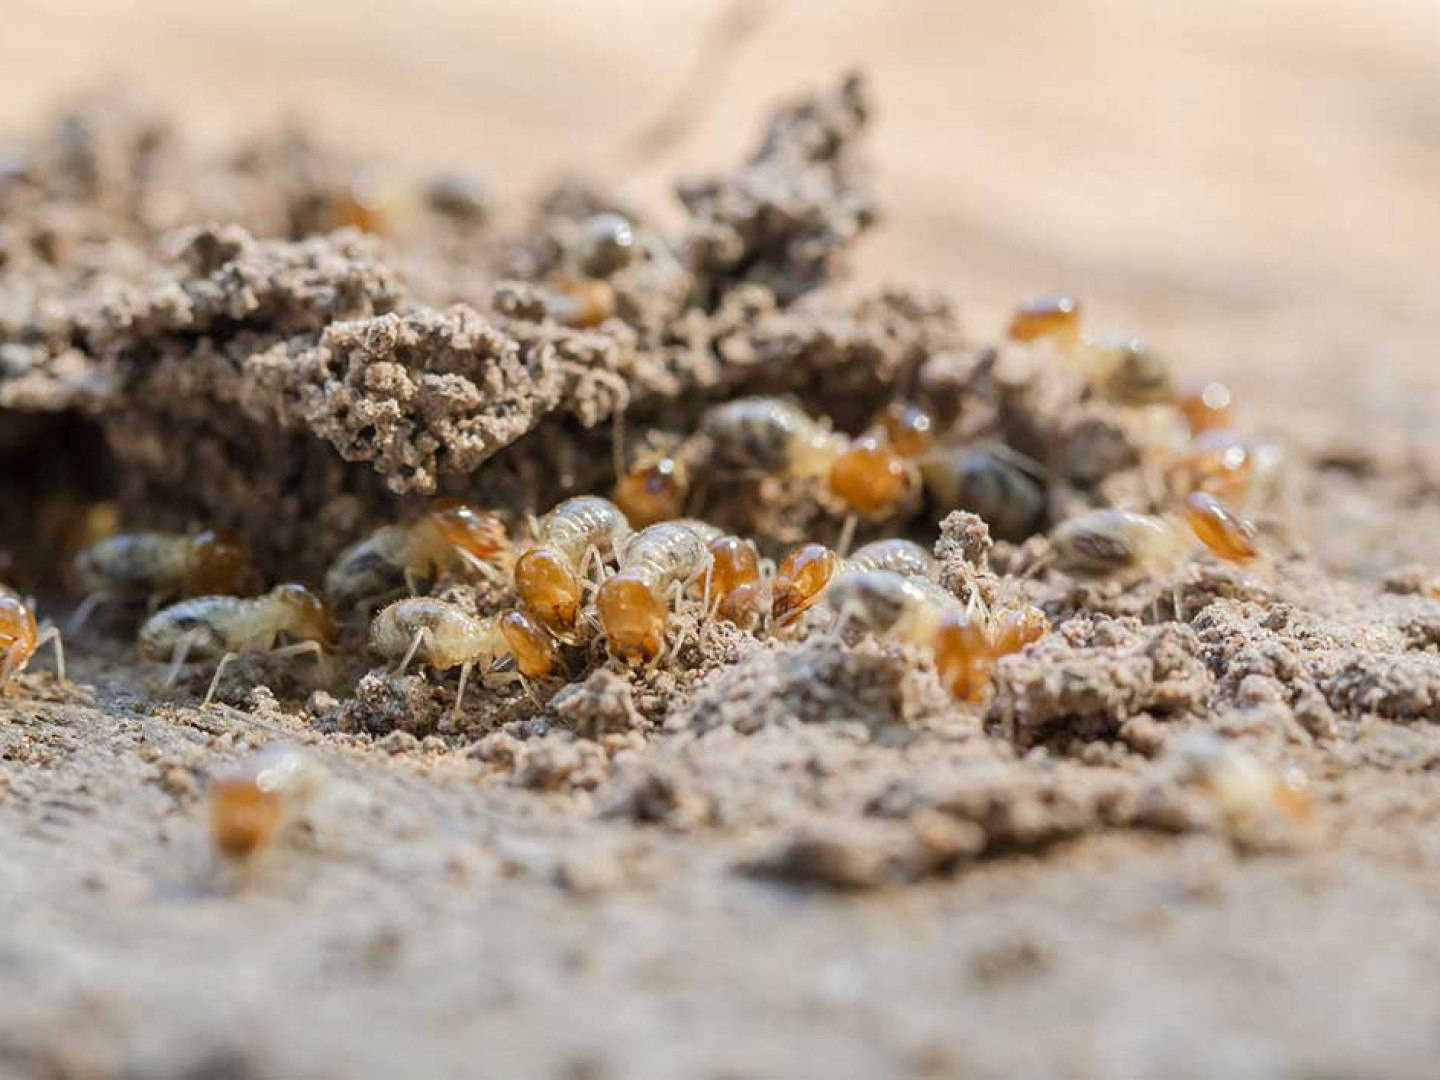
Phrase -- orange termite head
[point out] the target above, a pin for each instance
(801, 579)
(471, 531)
(530, 643)
(1056, 316)
(963, 656)
(218, 565)
(306, 615)
(735, 580)
(251, 802)
(632, 616)
(1205, 408)
(871, 477)
(653, 492)
(909, 428)
(1218, 460)
(549, 589)
(18, 634)
(1227, 535)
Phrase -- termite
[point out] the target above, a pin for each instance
(964, 640)
(550, 575)
(1055, 317)
(205, 627)
(440, 635)
(160, 566)
(804, 575)
(1120, 543)
(773, 437)
(21, 637)
(449, 535)
(255, 801)
(657, 564)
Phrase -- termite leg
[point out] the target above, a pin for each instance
(481, 567)
(214, 682)
(415, 643)
(51, 636)
(842, 620)
(177, 658)
(87, 608)
(847, 535)
(592, 553)
(460, 692)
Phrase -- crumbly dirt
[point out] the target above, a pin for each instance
(774, 856)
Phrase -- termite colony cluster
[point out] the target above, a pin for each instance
(781, 497)
(608, 575)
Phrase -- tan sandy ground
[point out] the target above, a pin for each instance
(1251, 183)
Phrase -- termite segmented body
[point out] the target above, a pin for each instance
(1111, 543)
(440, 635)
(905, 609)
(656, 565)
(21, 637)
(253, 802)
(550, 574)
(450, 535)
(148, 565)
(769, 435)
(206, 627)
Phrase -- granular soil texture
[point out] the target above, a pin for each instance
(1184, 836)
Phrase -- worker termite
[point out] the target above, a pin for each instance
(773, 437)
(440, 635)
(1122, 544)
(550, 575)
(657, 564)
(255, 801)
(160, 566)
(1121, 368)
(804, 575)
(1127, 371)
(1246, 791)
(1055, 317)
(965, 641)
(905, 609)
(449, 535)
(21, 637)
(205, 627)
